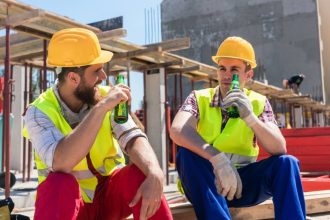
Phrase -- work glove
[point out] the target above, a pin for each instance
(125, 132)
(227, 179)
(238, 98)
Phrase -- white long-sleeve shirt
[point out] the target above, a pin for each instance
(42, 131)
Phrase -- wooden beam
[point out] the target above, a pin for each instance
(135, 53)
(25, 17)
(53, 21)
(183, 70)
(210, 71)
(23, 49)
(172, 45)
(316, 202)
(16, 38)
(161, 65)
(299, 97)
(35, 32)
(109, 35)
(202, 78)
(282, 93)
(30, 56)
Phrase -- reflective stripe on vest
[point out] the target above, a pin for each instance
(82, 174)
(236, 137)
(43, 172)
(89, 193)
(105, 153)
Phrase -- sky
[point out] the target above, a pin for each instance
(86, 11)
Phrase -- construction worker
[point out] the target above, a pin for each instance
(217, 161)
(80, 162)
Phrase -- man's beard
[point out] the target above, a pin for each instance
(86, 94)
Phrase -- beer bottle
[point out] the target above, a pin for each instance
(121, 110)
(232, 110)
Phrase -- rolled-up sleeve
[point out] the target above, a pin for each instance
(43, 134)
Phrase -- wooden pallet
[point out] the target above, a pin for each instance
(316, 202)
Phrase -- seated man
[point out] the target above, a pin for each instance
(217, 161)
(80, 164)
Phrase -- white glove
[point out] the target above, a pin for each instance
(227, 179)
(239, 99)
(126, 132)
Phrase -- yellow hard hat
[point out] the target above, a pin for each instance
(238, 48)
(75, 47)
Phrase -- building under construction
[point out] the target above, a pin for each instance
(289, 36)
(23, 54)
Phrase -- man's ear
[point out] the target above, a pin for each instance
(73, 78)
(250, 74)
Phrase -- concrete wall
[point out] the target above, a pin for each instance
(324, 18)
(283, 32)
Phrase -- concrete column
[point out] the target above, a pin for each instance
(156, 124)
(16, 140)
(298, 117)
(320, 119)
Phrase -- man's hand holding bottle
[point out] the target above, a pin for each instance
(240, 100)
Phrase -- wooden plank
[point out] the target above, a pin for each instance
(210, 70)
(36, 31)
(55, 21)
(202, 78)
(135, 53)
(23, 49)
(108, 35)
(159, 47)
(298, 97)
(19, 19)
(173, 44)
(183, 70)
(22, 58)
(316, 202)
(16, 38)
(161, 65)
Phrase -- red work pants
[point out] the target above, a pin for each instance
(59, 198)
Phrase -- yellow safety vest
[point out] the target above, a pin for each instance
(105, 153)
(236, 137)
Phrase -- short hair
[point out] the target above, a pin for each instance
(247, 66)
(66, 70)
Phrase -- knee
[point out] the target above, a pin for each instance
(58, 184)
(136, 176)
(61, 179)
(287, 161)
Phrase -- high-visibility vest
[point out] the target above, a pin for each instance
(236, 137)
(105, 154)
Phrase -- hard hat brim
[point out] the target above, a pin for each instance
(104, 57)
(217, 58)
